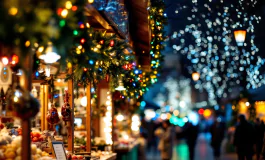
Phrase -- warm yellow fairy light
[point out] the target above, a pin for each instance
(64, 13)
(79, 47)
(68, 5)
(69, 65)
(41, 49)
(13, 11)
(27, 43)
(87, 25)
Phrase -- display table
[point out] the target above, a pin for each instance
(112, 156)
(127, 153)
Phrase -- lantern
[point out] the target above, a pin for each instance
(240, 36)
(195, 76)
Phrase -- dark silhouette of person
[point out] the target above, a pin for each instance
(244, 139)
(218, 132)
(151, 138)
(191, 134)
(259, 128)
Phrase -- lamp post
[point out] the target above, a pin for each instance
(240, 37)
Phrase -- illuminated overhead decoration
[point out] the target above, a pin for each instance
(208, 42)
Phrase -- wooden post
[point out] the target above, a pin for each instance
(88, 118)
(26, 124)
(112, 121)
(70, 129)
(44, 90)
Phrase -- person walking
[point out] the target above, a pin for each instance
(259, 128)
(244, 139)
(191, 134)
(167, 141)
(217, 131)
(142, 146)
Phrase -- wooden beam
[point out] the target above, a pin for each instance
(70, 126)
(91, 11)
(88, 118)
(26, 123)
(44, 92)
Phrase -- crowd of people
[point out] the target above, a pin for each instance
(247, 138)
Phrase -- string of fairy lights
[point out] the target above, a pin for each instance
(93, 55)
(207, 41)
(137, 81)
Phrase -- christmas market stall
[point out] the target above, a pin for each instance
(65, 66)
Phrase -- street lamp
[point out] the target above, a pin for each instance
(240, 36)
(195, 76)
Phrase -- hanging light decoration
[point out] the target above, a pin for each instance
(195, 76)
(5, 60)
(120, 87)
(50, 55)
(240, 36)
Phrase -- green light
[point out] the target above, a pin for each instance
(75, 32)
(62, 23)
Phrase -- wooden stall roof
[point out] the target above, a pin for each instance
(139, 29)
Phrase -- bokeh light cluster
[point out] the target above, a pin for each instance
(208, 42)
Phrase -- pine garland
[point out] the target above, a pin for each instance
(92, 54)
(137, 81)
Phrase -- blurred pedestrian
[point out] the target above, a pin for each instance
(217, 131)
(151, 139)
(244, 139)
(191, 134)
(167, 141)
(259, 128)
(142, 146)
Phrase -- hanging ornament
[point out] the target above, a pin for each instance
(111, 43)
(66, 110)
(101, 42)
(52, 116)
(23, 104)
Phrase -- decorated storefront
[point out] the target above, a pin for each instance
(63, 66)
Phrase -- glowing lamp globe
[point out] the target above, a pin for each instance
(120, 87)
(5, 60)
(90, 1)
(240, 36)
(195, 76)
(50, 55)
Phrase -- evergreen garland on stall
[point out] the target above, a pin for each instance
(136, 80)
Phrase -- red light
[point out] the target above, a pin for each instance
(82, 40)
(82, 26)
(59, 11)
(85, 69)
(14, 59)
(74, 8)
(201, 111)
(112, 43)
